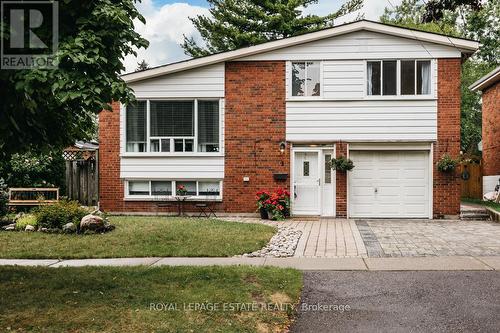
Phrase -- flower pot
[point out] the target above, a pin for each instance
(269, 215)
(263, 213)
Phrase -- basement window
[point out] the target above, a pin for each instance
(166, 189)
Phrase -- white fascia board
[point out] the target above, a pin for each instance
(486, 80)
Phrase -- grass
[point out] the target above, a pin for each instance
(106, 299)
(494, 205)
(142, 237)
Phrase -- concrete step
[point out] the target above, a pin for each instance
(477, 215)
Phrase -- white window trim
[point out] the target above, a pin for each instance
(289, 95)
(398, 96)
(148, 153)
(150, 197)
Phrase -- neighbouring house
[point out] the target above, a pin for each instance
(490, 88)
(272, 115)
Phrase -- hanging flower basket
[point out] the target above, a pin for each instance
(446, 164)
(341, 163)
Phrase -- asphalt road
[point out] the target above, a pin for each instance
(399, 302)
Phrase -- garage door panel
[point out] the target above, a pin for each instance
(389, 184)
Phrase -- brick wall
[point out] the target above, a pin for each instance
(447, 188)
(491, 131)
(341, 183)
(110, 186)
(254, 127)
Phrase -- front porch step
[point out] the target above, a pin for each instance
(475, 215)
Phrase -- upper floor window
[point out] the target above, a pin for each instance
(414, 77)
(174, 126)
(306, 78)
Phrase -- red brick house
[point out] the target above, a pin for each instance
(228, 125)
(490, 88)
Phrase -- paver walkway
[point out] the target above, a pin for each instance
(409, 238)
(329, 238)
(321, 237)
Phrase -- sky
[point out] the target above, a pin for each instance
(167, 21)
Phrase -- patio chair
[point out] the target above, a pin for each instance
(161, 202)
(206, 208)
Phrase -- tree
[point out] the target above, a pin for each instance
(44, 108)
(463, 19)
(233, 24)
(436, 9)
(142, 66)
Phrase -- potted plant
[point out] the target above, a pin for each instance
(261, 198)
(181, 190)
(341, 163)
(278, 204)
(446, 164)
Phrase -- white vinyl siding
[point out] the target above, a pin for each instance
(343, 79)
(203, 82)
(369, 120)
(174, 167)
(360, 45)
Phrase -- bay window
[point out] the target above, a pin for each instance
(414, 77)
(174, 126)
(306, 79)
(149, 189)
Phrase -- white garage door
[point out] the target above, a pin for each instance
(389, 184)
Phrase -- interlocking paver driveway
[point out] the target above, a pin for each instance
(402, 238)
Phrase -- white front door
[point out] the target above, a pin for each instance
(306, 186)
(389, 184)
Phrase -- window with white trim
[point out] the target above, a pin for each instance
(175, 126)
(136, 127)
(382, 77)
(306, 78)
(202, 189)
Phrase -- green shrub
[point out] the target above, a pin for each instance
(4, 197)
(57, 215)
(24, 220)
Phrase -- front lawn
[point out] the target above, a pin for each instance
(139, 299)
(494, 205)
(136, 236)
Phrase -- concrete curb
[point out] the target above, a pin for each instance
(463, 263)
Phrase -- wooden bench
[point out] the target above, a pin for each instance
(34, 196)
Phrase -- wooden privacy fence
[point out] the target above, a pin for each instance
(82, 177)
(472, 180)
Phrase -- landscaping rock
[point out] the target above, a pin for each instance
(92, 223)
(43, 230)
(5, 221)
(69, 228)
(283, 244)
(9, 227)
(29, 228)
